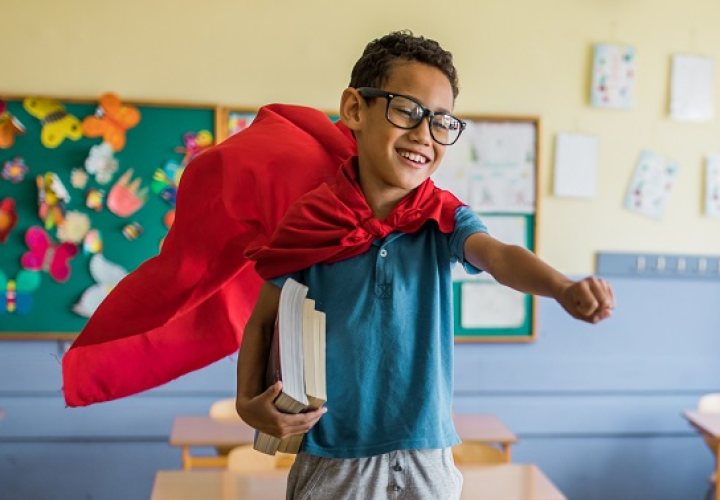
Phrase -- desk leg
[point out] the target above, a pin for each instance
(186, 458)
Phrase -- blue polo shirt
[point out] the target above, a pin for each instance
(389, 336)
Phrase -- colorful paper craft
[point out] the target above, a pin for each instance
(75, 227)
(111, 121)
(107, 275)
(57, 124)
(14, 170)
(15, 295)
(124, 199)
(92, 243)
(52, 199)
(166, 180)
(94, 199)
(9, 127)
(8, 218)
(195, 143)
(101, 163)
(132, 231)
(78, 178)
(45, 255)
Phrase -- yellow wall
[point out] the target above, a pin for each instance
(529, 57)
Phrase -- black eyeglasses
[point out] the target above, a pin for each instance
(405, 112)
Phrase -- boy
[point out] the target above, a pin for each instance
(375, 247)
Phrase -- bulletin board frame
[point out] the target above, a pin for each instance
(166, 121)
(502, 147)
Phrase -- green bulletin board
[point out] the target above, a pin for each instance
(493, 168)
(149, 146)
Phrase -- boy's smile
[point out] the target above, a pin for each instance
(393, 161)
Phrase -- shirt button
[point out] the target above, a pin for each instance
(397, 468)
(383, 253)
(397, 488)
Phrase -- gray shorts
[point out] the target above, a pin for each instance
(398, 475)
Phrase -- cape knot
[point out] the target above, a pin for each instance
(376, 227)
(355, 237)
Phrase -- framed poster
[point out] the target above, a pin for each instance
(493, 168)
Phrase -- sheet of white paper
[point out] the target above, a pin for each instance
(490, 305)
(576, 165)
(691, 88)
(712, 185)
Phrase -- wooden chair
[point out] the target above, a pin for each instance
(224, 410)
(710, 403)
(477, 453)
(246, 459)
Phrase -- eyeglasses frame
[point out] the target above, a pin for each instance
(372, 92)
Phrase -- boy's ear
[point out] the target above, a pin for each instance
(352, 108)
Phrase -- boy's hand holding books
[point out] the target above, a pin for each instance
(295, 374)
(261, 413)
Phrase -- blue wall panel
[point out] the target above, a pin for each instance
(598, 408)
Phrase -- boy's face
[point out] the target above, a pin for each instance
(392, 159)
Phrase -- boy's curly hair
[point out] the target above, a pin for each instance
(374, 66)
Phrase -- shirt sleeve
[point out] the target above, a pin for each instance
(467, 223)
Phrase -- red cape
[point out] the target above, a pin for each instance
(334, 222)
(188, 306)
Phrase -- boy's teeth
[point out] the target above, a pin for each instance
(413, 157)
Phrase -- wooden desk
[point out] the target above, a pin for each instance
(487, 429)
(708, 425)
(219, 485)
(507, 482)
(489, 482)
(202, 430)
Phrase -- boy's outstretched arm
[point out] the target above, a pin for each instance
(254, 403)
(590, 299)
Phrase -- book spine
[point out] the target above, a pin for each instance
(265, 443)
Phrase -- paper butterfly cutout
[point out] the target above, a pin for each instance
(107, 275)
(8, 218)
(124, 199)
(52, 199)
(101, 163)
(9, 127)
(166, 180)
(195, 143)
(46, 255)
(14, 170)
(57, 124)
(112, 119)
(15, 294)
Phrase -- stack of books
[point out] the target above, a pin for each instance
(297, 358)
